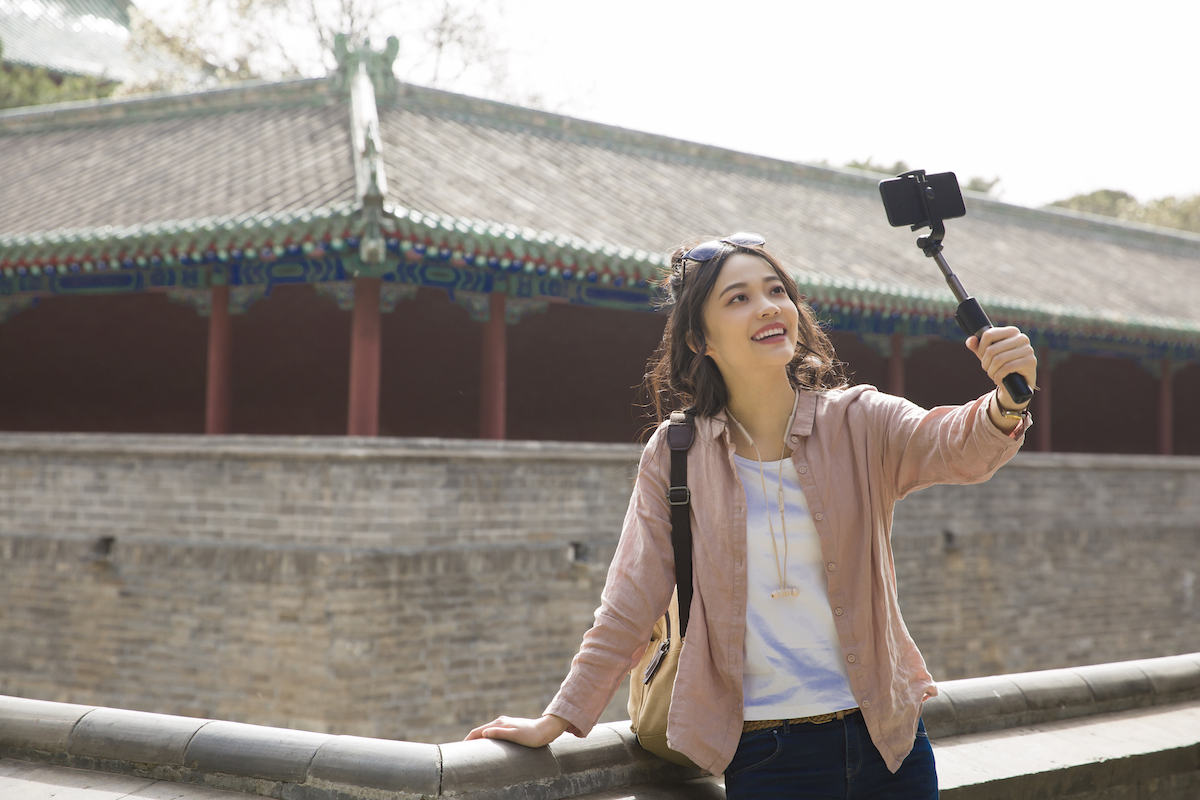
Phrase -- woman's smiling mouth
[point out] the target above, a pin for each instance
(769, 333)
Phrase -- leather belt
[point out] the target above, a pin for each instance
(817, 719)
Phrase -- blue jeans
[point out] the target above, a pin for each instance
(835, 759)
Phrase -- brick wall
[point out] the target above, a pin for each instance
(414, 588)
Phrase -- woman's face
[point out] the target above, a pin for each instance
(749, 320)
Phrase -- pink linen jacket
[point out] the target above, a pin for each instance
(856, 452)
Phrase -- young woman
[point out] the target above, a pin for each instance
(798, 677)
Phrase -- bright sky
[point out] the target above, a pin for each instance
(1055, 97)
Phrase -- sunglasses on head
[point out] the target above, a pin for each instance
(706, 250)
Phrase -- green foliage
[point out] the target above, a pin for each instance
(981, 185)
(1108, 202)
(870, 166)
(31, 86)
(975, 184)
(1166, 212)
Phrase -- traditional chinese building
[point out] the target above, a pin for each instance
(353, 255)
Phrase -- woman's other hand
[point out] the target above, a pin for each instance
(529, 732)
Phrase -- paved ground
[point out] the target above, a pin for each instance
(20, 780)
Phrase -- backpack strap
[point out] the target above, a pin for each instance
(680, 434)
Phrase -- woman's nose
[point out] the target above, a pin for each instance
(768, 309)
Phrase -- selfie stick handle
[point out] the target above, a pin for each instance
(970, 316)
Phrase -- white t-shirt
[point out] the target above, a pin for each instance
(793, 660)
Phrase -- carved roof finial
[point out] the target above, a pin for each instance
(379, 65)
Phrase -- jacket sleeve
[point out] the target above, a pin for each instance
(636, 593)
(947, 444)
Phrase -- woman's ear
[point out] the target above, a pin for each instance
(694, 344)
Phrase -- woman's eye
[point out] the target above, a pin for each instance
(777, 290)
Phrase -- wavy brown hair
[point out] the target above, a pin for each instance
(678, 377)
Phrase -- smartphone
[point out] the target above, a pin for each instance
(914, 198)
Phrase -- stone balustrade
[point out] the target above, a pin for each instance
(1088, 732)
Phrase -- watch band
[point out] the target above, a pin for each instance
(1021, 416)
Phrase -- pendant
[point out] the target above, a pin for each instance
(787, 591)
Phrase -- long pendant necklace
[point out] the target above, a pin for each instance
(784, 590)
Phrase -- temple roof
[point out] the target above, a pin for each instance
(522, 189)
(464, 158)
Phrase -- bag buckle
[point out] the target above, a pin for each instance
(679, 495)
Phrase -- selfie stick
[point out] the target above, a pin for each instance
(969, 315)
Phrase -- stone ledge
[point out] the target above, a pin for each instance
(311, 448)
(300, 765)
(1029, 698)
(1141, 753)
(1033, 460)
(357, 449)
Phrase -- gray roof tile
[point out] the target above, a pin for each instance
(175, 164)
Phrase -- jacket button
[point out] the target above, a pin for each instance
(795, 438)
(818, 516)
(832, 566)
(851, 658)
(803, 470)
(839, 611)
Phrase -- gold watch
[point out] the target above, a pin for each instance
(1009, 413)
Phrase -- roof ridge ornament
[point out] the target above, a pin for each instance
(364, 73)
(379, 65)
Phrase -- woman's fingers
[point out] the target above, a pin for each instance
(529, 732)
(500, 723)
(1003, 351)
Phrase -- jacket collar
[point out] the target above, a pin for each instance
(806, 412)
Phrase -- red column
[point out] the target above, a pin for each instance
(218, 399)
(895, 374)
(1041, 402)
(493, 377)
(363, 416)
(1165, 410)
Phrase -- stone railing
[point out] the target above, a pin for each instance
(998, 702)
(1059, 712)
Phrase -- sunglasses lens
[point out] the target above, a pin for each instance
(703, 252)
(745, 240)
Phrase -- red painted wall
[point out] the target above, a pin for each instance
(117, 363)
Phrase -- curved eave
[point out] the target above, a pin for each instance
(901, 304)
(233, 236)
(415, 236)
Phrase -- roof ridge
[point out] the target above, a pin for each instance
(137, 107)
